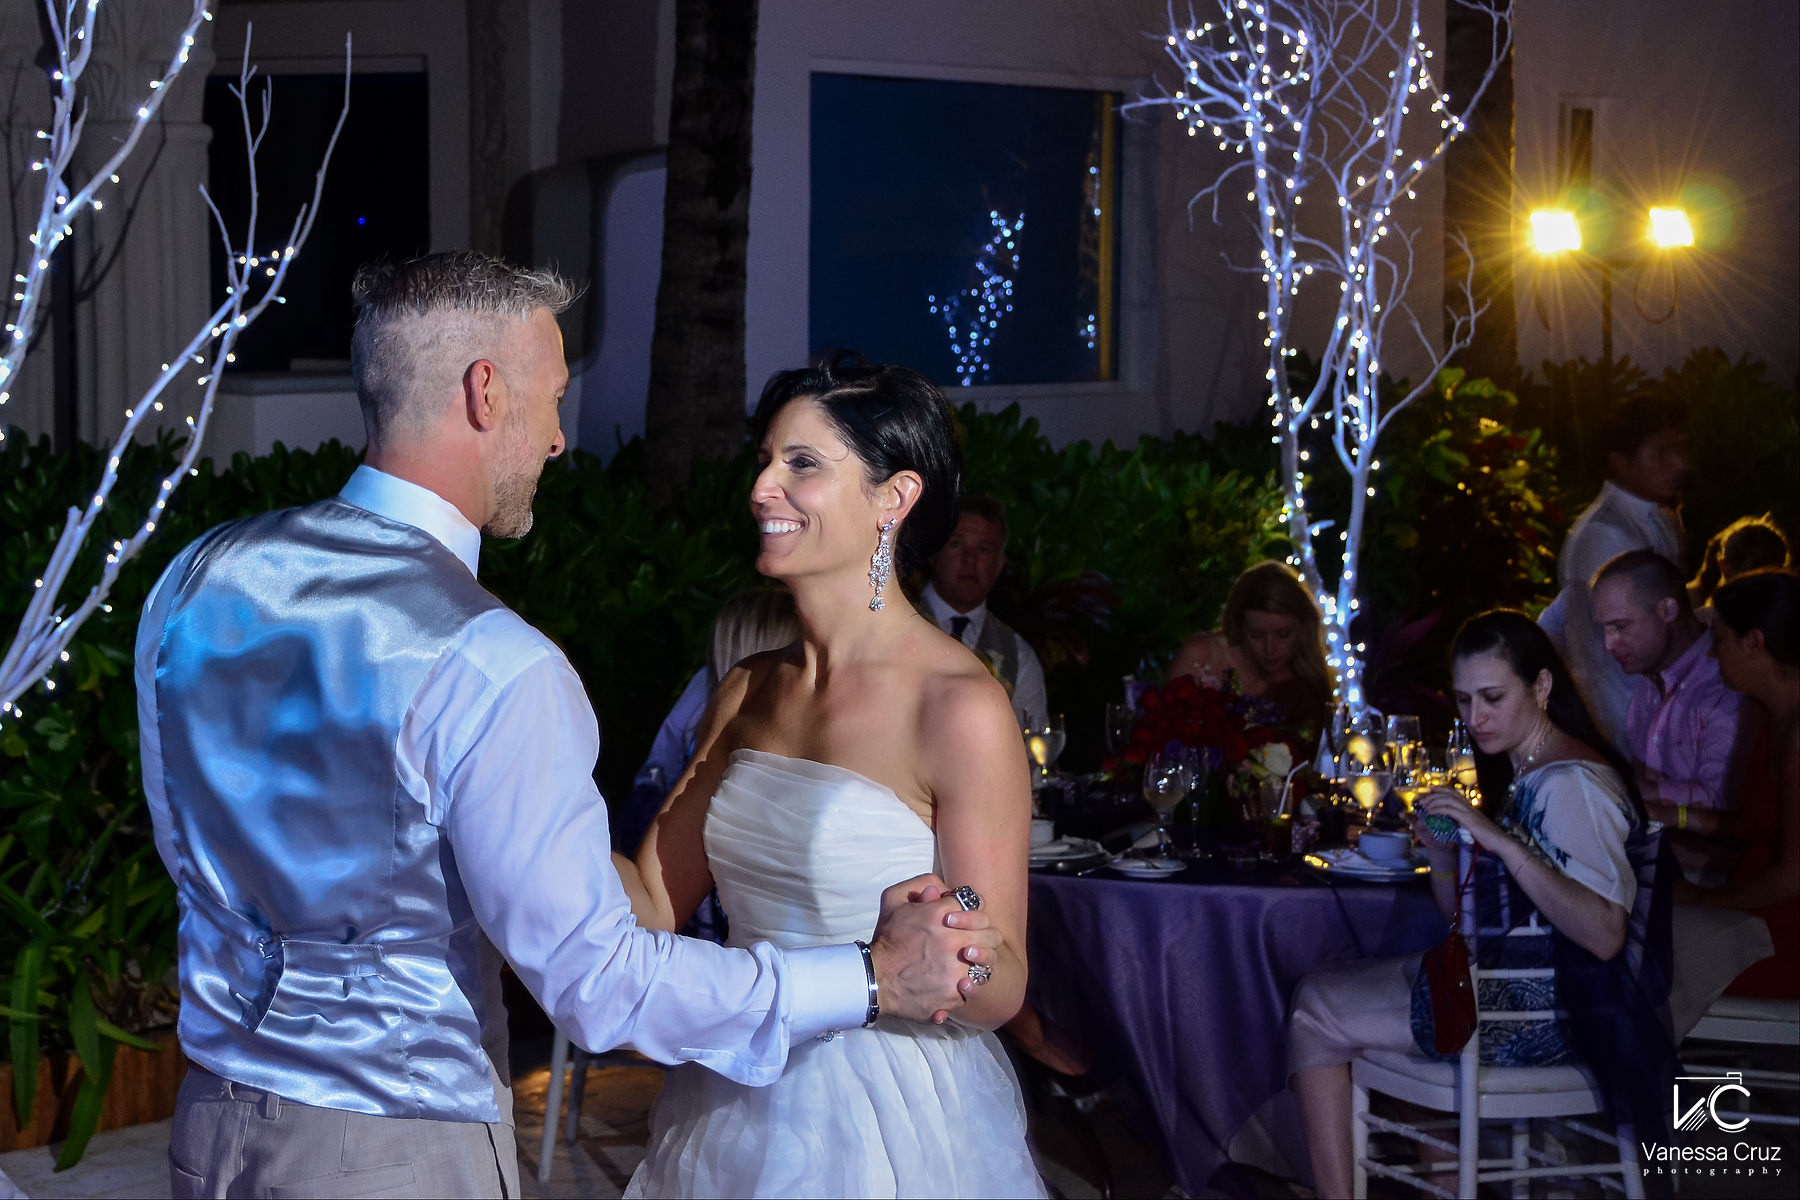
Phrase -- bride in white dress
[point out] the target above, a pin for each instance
(873, 750)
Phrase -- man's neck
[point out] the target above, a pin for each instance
(436, 472)
(1637, 495)
(952, 605)
(1682, 637)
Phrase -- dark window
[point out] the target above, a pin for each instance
(376, 198)
(966, 229)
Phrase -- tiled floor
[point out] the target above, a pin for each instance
(614, 1126)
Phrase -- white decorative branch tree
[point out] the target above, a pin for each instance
(1331, 101)
(254, 281)
(972, 316)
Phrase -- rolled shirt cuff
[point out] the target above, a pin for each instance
(828, 989)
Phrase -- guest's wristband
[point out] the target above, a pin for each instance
(1681, 816)
(874, 991)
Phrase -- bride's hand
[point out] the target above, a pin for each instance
(923, 947)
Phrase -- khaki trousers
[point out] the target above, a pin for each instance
(233, 1141)
(1346, 1008)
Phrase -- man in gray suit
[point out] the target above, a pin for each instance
(962, 575)
(372, 782)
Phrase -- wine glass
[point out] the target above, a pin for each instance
(1046, 743)
(1363, 743)
(1368, 782)
(1459, 758)
(1119, 720)
(1405, 739)
(1405, 752)
(1168, 777)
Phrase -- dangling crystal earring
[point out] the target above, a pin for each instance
(881, 565)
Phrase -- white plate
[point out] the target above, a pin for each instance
(1357, 865)
(1147, 868)
(1064, 848)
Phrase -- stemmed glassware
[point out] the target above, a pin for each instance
(1368, 782)
(1045, 743)
(1459, 757)
(1168, 778)
(1405, 753)
(1119, 720)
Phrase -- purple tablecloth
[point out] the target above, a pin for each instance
(1181, 989)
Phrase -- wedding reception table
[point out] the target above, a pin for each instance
(1180, 988)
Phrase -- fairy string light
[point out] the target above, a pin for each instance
(255, 279)
(972, 316)
(1333, 100)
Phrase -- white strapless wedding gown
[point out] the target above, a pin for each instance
(800, 852)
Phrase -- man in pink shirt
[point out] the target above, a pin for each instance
(1688, 733)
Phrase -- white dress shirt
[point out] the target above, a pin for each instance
(1028, 697)
(1615, 522)
(499, 747)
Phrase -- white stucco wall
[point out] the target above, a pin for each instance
(1186, 325)
(1685, 94)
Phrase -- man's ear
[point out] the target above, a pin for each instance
(484, 395)
(1667, 610)
(1754, 641)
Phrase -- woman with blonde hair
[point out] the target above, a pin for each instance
(1271, 638)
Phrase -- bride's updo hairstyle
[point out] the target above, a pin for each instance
(893, 419)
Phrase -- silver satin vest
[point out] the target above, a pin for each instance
(328, 954)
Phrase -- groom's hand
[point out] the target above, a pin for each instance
(923, 947)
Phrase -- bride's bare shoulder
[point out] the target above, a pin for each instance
(964, 700)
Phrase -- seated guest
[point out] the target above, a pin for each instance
(1688, 733)
(962, 575)
(1270, 637)
(748, 623)
(1756, 640)
(1556, 824)
(1646, 462)
(1747, 544)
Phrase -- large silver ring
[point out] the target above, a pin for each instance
(981, 974)
(968, 897)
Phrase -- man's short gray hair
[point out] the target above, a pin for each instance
(396, 354)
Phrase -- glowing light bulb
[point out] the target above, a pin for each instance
(1670, 228)
(1554, 231)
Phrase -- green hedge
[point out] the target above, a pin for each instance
(1117, 554)
(1120, 554)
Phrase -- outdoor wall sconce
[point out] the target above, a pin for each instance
(1556, 232)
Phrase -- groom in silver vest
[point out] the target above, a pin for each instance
(372, 781)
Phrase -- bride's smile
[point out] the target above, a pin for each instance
(811, 499)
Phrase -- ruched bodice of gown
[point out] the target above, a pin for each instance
(800, 852)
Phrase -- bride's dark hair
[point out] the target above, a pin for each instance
(893, 419)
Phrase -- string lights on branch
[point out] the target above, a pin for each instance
(254, 281)
(972, 316)
(1333, 101)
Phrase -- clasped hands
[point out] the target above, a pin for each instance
(924, 944)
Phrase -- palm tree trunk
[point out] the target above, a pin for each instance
(695, 408)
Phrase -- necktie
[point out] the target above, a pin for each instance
(957, 627)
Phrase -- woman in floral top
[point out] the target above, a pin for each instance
(1556, 822)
